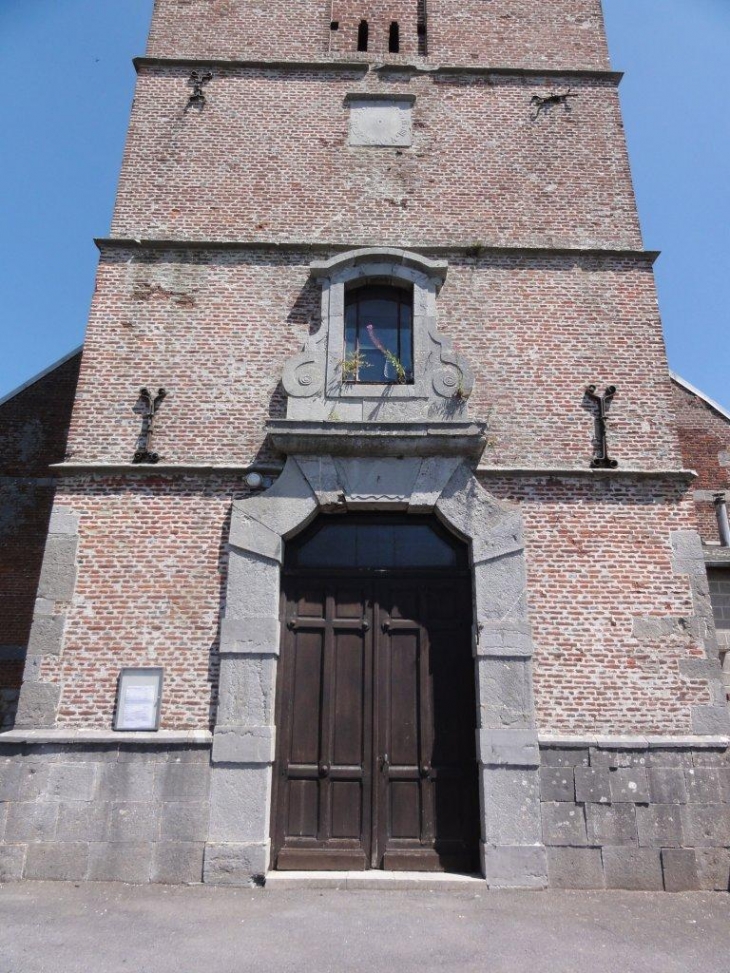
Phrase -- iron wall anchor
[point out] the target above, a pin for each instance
(150, 405)
(601, 460)
(196, 99)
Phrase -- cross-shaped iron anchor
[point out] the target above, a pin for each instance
(149, 407)
(197, 95)
(601, 459)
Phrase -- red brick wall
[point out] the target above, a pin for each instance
(150, 591)
(215, 330)
(267, 158)
(521, 33)
(33, 429)
(704, 437)
(239, 28)
(152, 574)
(379, 15)
(598, 556)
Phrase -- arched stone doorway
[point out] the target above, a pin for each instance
(238, 848)
(376, 711)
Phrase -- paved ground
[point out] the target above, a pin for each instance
(96, 928)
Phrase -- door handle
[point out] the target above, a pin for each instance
(384, 764)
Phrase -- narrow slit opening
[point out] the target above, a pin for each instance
(394, 38)
(421, 29)
(362, 36)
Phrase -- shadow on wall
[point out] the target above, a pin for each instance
(34, 423)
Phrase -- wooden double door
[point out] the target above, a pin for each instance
(376, 764)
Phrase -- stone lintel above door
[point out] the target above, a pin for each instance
(396, 439)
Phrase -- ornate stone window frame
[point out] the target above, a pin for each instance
(313, 379)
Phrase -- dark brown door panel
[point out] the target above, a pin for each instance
(376, 712)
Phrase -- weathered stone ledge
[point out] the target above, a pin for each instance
(311, 246)
(424, 438)
(364, 67)
(633, 742)
(80, 737)
(586, 472)
(174, 469)
(165, 469)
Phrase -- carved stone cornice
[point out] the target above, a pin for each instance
(371, 439)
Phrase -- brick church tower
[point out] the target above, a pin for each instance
(392, 564)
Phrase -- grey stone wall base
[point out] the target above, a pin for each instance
(511, 806)
(575, 868)
(104, 811)
(240, 803)
(635, 869)
(679, 866)
(515, 867)
(641, 816)
(236, 864)
(12, 862)
(178, 862)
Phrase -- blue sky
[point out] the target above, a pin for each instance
(67, 88)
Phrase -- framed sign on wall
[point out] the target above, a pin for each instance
(139, 695)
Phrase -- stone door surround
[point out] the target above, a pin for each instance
(238, 845)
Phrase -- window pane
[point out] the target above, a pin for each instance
(380, 318)
(358, 545)
(350, 329)
(406, 341)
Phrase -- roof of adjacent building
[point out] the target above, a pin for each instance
(688, 387)
(40, 375)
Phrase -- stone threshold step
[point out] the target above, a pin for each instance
(376, 880)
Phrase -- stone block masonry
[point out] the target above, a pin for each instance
(646, 816)
(105, 812)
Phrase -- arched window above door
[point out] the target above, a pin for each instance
(378, 542)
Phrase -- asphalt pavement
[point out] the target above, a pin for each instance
(59, 927)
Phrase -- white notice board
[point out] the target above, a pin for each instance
(139, 694)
